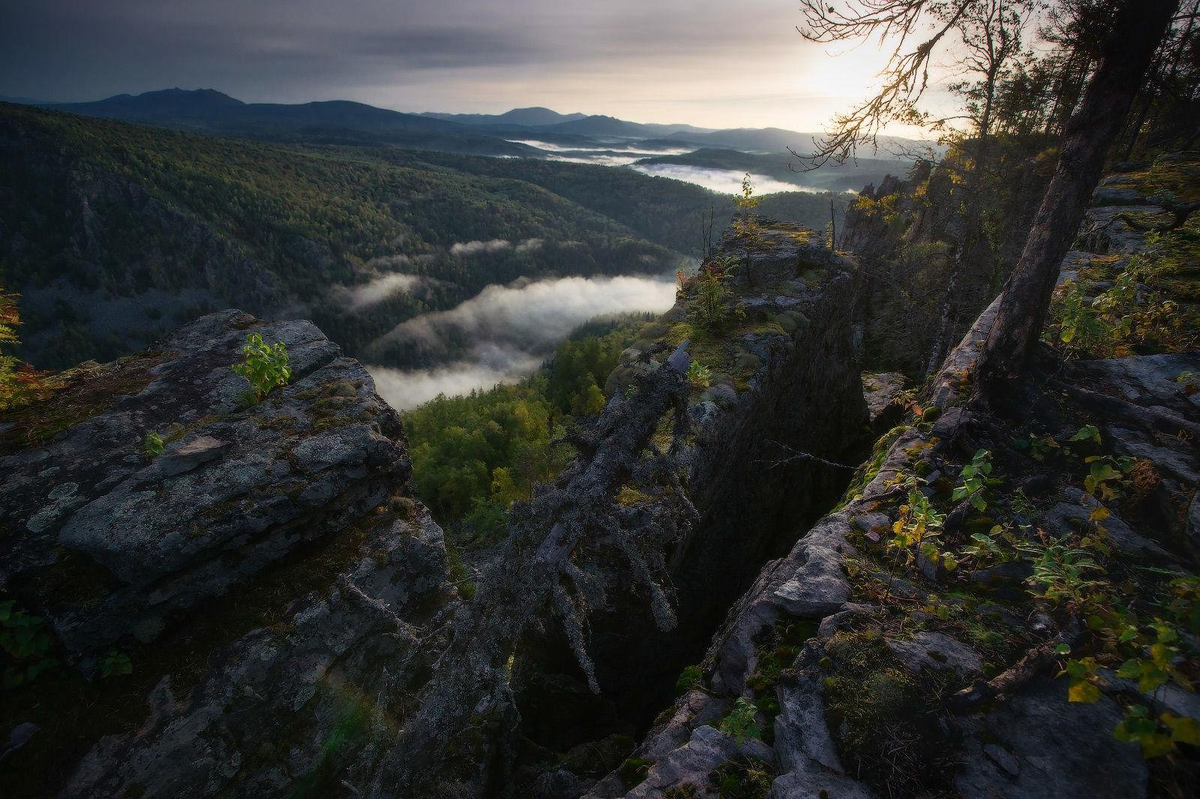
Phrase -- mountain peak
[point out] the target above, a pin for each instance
(208, 96)
(174, 97)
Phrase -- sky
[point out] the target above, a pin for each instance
(714, 63)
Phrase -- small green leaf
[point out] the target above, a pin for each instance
(1129, 669)
(1156, 744)
(1184, 729)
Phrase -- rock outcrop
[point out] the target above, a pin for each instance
(869, 678)
(613, 577)
(274, 542)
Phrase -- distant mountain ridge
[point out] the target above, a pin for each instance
(345, 121)
(215, 106)
(532, 116)
(322, 122)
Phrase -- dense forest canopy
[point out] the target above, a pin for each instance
(114, 232)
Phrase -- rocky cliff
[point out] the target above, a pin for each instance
(852, 669)
(226, 612)
(728, 593)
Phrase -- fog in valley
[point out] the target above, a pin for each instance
(511, 329)
(722, 181)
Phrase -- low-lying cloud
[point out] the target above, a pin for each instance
(616, 154)
(356, 298)
(468, 248)
(723, 181)
(405, 389)
(514, 328)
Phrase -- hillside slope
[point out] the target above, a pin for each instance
(115, 233)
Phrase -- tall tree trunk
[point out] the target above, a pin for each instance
(1064, 78)
(970, 228)
(1137, 125)
(1138, 27)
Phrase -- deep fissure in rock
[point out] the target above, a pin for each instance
(755, 498)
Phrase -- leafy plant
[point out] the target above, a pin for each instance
(1158, 667)
(974, 480)
(1157, 736)
(740, 723)
(1184, 603)
(1105, 476)
(1147, 654)
(1081, 678)
(699, 375)
(153, 445)
(1089, 432)
(1065, 575)
(25, 641)
(917, 531)
(264, 367)
(984, 548)
(1041, 446)
(115, 664)
(1079, 325)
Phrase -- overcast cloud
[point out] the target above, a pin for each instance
(707, 62)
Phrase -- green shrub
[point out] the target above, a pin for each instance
(20, 384)
(25, 642)
(264, 367)
(153, 444)
(741, 722)
(688, 679)
(699, 375)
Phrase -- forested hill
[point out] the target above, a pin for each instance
(114, 233)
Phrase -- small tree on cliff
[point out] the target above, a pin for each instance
(1138, 28)
(1133, 31)
(984, 38)
(20, 384)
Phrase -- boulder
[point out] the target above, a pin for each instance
(236, 488)
(274, 589)
(286, 702)
(881, 391)
(1039, 745)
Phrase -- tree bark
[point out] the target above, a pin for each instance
(1138, 27)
